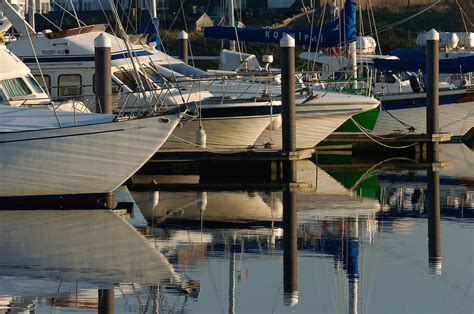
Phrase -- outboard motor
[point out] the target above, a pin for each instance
(415, 84)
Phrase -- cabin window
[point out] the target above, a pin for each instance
(36, 86)
(47, 80)
(69, 85)
(16, 87)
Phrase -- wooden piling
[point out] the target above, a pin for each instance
(432, 127)
(287, 45)
(183, 44)
(103, 74)
(432, 92)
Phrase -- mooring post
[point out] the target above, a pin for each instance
(432, 93)
(183, 44)
(290, 253)
(106, 302)
(432, 127)
(103, 74)
(287, 45)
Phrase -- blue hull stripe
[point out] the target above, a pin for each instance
(420, 102)
(116, 56)
(240, 112)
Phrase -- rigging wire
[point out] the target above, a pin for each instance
(66, 11)
(404, 20)
(42, 76)
(75, 14)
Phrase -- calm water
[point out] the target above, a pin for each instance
(362, 243)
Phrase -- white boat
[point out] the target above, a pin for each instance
(63, 153)
(228, 123)
(318, 113)
(235, 124)
(19, 88)
(407, 112)
(319, 117)
(403, 102)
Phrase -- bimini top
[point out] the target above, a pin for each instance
(455, 65)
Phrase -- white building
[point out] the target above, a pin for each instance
(42, 6)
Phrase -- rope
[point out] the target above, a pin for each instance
(371, 169)
(378, 142)
(408, 126)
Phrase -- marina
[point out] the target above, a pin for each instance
(141, 173)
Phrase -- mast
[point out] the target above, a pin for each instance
(31, 12)
(230, 14)
(154, 18)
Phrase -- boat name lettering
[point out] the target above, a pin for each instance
(54, 52)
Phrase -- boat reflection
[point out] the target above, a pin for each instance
(404, 192)
(61, 258)
(325, 196)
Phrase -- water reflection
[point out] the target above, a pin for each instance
(324, 249)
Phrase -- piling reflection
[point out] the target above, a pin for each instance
(434, 214)
(106, 301)
(290, 253)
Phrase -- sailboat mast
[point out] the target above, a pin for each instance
(31, 12)
(154, 18)
(230, 15)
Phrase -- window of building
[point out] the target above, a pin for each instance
(69, 85)
(87, 6)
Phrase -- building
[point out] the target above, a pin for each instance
(42, 6)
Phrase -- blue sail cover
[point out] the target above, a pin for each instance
(331, 35)
(454, 65)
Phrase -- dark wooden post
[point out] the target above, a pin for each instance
(103, 74)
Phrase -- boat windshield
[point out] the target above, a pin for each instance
(128, 78)
(36, 86)
(16, 87)
(156, 77)
(186, 70)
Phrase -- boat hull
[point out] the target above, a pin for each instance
(456, 113)
(88, 159)
(227, 127)
(314, 122)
